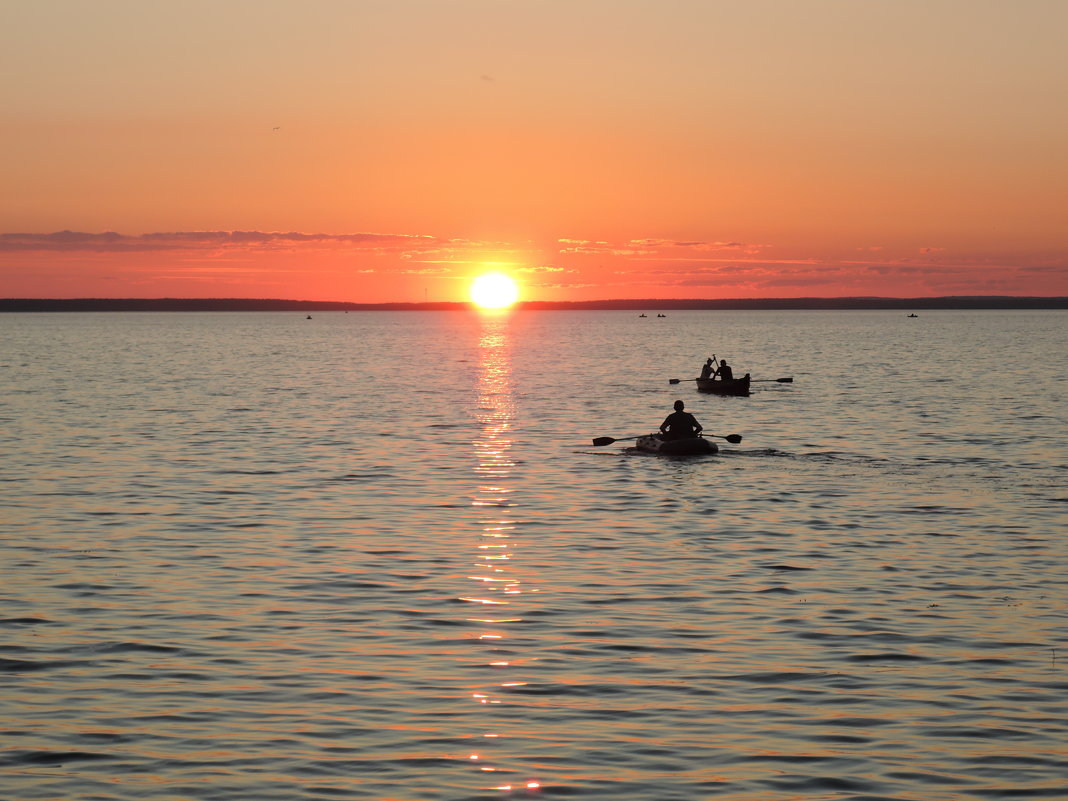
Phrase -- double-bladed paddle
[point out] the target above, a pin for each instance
(732, 438)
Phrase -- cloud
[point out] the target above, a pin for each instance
(746, 246)
(652, 243)
(112, 242)
(603, 250)
(679, 266)
(571, 285)
(1057, 269)
(693, 245)
(544, 269)
(652, 246)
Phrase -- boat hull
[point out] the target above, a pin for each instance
(733, 386)
(692, 446)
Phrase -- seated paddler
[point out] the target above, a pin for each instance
(724, 371)
(680, 424)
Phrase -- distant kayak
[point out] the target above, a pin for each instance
(692, 446)
(731, 386)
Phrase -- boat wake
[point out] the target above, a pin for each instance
(836, 457)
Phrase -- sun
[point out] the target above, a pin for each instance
(494, 291)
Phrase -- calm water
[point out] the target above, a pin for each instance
(375, 556)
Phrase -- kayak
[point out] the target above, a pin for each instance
(692, 446)
(718, 386)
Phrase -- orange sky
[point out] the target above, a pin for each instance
(389, 150)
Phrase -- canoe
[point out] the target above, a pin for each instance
(693, 446)
(717, 386)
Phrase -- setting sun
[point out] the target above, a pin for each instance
(494, 291)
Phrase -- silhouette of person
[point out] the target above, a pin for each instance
(725, 372)
(706, 371)
(680, 424)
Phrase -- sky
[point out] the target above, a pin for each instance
(392, 150)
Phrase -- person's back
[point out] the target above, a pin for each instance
(706, 371)
(725, 371)
(680, 424)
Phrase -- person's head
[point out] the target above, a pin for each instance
(722, 361)
(709, 362)
(679, 406)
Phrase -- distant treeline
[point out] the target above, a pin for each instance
(648, 305)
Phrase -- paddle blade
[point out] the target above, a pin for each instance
(789, 380)
(603, 441)
(735, 438)
(674, 380)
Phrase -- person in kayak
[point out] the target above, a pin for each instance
(724, 371)
(706, 371)
(680, 424)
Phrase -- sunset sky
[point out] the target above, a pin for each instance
(391, 150)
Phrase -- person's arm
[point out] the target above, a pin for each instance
(664, 425)
(697, 427)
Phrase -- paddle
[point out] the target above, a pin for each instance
(609, 440)
(732, 438)
(677, 380)
(787, 380)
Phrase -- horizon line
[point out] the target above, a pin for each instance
(858, 302)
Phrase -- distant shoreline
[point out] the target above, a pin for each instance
(647, 305)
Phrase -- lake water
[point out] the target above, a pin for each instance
(375, 556)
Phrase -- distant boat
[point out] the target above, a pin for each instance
(308, 317)
(661, 315)
(729, 386)
(643, 314)
(914, 315)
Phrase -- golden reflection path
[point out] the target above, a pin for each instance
(497, 584)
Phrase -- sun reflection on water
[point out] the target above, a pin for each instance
(496, 579)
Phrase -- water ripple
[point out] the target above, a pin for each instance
(228, 575)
